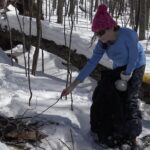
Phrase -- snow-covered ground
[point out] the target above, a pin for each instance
(47, 87)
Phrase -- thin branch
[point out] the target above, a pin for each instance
(72, 139)
(64, 144)
(48, 108)
(30, 25)
(10, 35)
(48, 142)
(69, 62)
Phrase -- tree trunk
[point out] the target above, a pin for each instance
(147, 14)
(137, 14)
(96, 5)
(91, 11)
(36, 53)
(3, 4)
(142, 20)
(54, 5)
(132, 13)
(72, 7)
(60, 11)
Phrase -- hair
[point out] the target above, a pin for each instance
(93, 39)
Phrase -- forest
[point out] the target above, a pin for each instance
(128, 13)
(61, 28)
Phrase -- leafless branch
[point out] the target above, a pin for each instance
(64, 144)
(72, 139)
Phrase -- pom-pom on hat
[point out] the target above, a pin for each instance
(102, 19)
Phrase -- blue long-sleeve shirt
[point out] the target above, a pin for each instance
(125, 51)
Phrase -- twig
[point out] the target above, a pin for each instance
(64, 144)
(72, 139)
(48, 107)
(22, 116)
(37, 146)
(42, 111)
(48, 142)
(41, 147)
(10, 35)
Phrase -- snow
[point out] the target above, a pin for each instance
(46, 88)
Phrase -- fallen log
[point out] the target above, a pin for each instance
(77, 60)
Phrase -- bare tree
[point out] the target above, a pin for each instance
(10, 34)
(3, 4)
(72, 7)
(132, 13)
(69, 65)
(142, 20)
(54, 4)
(60, 11)
(112, 5)
(49, 10)
(91, 11)
(96, 5)
(39, 31)
(147, 14)
(85, 5)
(77, 12)
(137, 14)
(46, 9)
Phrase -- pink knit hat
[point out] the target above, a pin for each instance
(102, 19)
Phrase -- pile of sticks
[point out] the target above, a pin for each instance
(17, 132)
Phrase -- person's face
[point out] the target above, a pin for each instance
(105, 35)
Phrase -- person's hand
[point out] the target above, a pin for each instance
(125, 77)
(65, 92)
(69, 89)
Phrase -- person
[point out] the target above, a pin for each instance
(115, 110)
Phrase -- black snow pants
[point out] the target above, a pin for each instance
(115, 114)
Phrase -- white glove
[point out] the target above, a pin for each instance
(125, 77)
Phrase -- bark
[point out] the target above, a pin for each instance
(91, 11)
(39, 31)
(3, 4)
(60, 11)
(137, 14)
(54, 5)
(77, 60)
(72, 7)
(147, 14)
(142, 20)
(96, 5)
(132, 13)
